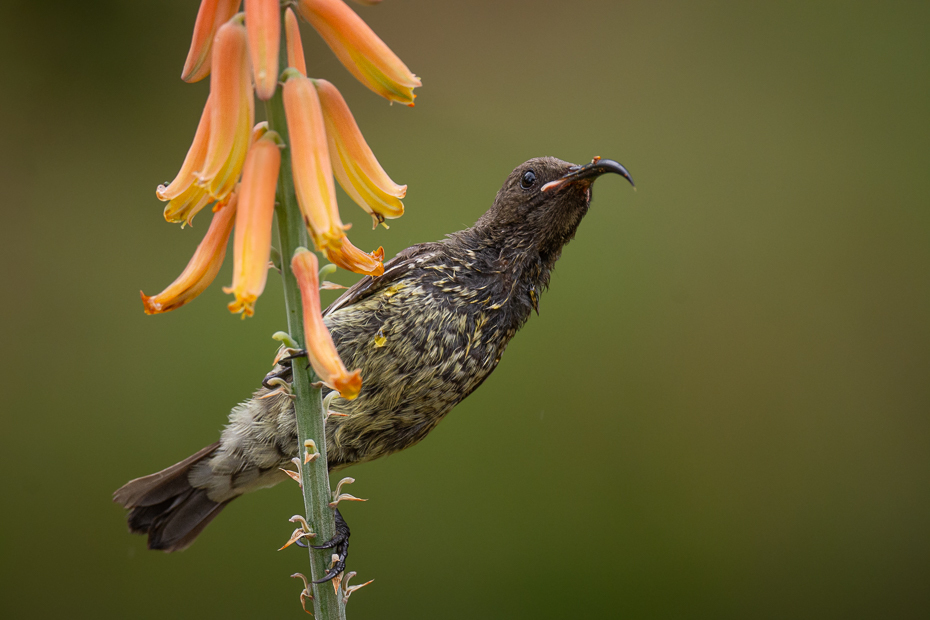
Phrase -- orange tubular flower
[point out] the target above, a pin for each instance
(295, 48)
(202, 268)
(252, 244)
(212, 15)
(233, 111)
(185, 198)
(313, 179)
(360, 50)
(353, 259)
(194, 160)
(319, 343)
(263, 23)
(355, 166)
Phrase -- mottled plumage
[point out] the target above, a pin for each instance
(425, 334)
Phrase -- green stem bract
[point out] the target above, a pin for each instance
(308, 406)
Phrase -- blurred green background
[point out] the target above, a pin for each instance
(721, 412)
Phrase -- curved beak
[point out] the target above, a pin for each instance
(591, 171)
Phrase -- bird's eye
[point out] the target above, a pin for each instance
(529, 178)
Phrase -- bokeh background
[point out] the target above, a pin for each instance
(721, 412)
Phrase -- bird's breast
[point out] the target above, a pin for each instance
(422, 346)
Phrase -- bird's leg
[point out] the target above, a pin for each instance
(340, 543)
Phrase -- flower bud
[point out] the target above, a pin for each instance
(263, 23)
(295, 48)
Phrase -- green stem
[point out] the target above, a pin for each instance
(308, 405)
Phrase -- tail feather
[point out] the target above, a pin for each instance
(165, 506)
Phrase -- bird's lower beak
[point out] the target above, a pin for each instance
(589, 172)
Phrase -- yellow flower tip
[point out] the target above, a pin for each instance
(295, 48)
(233, 111)
(351, 258)
(360, 50)
(202, 268)
(350, 385)
(263, 24)
(183, 208)
(212, 15)
(150, 305)
(243, 304)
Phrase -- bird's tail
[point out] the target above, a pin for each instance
(165, 506)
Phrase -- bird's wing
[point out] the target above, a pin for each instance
(394, 270)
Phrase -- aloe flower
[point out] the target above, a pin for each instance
(360, 50)
(185, 198)
(240, 53)
(252, 241)
(212, 15)
(202, 268)
(233, 111)
(263, 23)
(313, 180)
(355, 166)
(321, 351)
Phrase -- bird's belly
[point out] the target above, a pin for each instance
(416, 366)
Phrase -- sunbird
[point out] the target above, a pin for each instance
(425, 335)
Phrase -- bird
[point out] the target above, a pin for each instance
(425, 335)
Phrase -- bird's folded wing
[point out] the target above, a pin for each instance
(395, 269)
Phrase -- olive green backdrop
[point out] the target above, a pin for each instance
(722, 411)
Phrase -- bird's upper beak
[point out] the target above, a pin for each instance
(591, 171)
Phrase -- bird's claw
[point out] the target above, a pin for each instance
(273, 379)
(292, 354)
(340, 543)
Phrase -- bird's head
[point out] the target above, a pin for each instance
(542, 202)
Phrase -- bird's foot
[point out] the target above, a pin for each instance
(340, 544)
(276, 377)
(291, 354)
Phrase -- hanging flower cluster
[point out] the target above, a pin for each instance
(233, 163)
